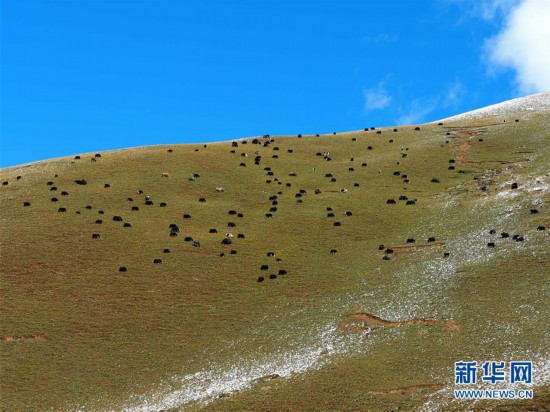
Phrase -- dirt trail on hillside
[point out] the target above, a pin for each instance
(463, 154)
(375, 320)
(23, 338)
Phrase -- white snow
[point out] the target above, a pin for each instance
(534, 103)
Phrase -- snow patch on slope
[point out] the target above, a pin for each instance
(531, 104)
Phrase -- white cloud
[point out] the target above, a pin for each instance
(454, 95)
(417, 111)
(522, 45)
(484, 9)
(490, 9)
(376, 98)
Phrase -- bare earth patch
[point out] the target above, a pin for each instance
(375, 320)
(451, 326)
(351, 326)
(463, 153)
(24, 338)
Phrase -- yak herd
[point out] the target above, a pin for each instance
(228, 240)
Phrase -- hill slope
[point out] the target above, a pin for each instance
(301, 300)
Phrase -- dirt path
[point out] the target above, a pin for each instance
(464, 151)
(375, 320)
(23, 338)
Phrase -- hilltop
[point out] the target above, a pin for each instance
(534, 103)
(353, 267)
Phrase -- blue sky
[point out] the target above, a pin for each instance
(90, 75)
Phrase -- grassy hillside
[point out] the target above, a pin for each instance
(338, 327)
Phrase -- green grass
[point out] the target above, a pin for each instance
(108, 337)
